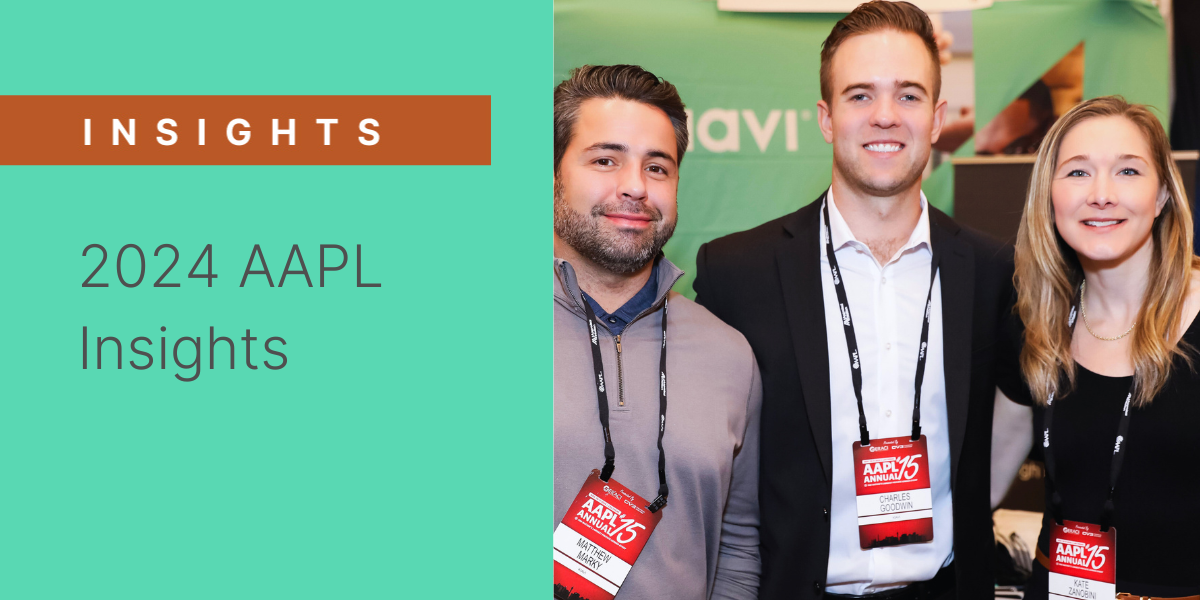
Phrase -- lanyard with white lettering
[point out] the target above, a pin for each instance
(610, 453)
(852, 344)
(1118, 448)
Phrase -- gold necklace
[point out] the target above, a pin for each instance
(1083, 309)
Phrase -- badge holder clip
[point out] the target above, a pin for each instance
(659, 503)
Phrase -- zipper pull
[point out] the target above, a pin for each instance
(620, 383)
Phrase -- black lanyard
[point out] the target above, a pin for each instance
(1118, 456)
(610, 453)
(852, 345)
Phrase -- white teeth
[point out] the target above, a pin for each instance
(883, 147)
(1100, 223)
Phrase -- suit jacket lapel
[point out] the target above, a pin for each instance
(799, 263)
(957, 264)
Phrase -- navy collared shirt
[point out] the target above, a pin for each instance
(640, 301)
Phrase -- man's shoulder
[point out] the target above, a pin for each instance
(700, 325)
(986, 248)
(763, 238)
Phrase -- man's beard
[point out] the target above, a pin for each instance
(621, 252)
(859, 179)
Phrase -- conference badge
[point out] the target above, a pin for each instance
(895, 503)
(599, 539)
(1083, 561)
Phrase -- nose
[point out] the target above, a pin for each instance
(1102, 191)
(631, 183)
(884, 115)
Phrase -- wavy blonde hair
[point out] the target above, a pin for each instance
(1048, 271)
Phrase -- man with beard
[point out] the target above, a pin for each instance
(876, 321)
(686, 475)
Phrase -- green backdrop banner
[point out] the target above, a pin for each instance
(751, 83)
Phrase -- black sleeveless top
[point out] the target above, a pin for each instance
(1157, 496)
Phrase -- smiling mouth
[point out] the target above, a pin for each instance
(884, 147)
(1104, 223)
(630, 220)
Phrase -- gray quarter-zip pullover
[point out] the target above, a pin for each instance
(706, 545)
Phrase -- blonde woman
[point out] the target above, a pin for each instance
(1108, 294)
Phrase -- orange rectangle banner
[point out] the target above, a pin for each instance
(245, 130)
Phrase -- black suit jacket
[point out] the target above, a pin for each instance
(766, 282)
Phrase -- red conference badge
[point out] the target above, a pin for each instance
(895, 504)
(599, 539)
(1083, 561)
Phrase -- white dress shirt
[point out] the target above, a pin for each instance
(887, 303)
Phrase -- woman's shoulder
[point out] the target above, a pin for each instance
(1009, 377)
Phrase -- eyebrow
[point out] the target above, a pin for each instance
(618, 147)
(899, 85)
(611, 146)
(1084, 157)
(662, 155)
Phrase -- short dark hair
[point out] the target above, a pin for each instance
(874, 16)
(629, 82)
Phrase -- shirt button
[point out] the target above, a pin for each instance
(883, 281)
(888, 413)
(826, 514)
(817, 587)
(612, 319)
(887, 346)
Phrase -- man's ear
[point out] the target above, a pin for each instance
(825, 121)
(939, 120)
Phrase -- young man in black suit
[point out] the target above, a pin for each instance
(875, 319)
